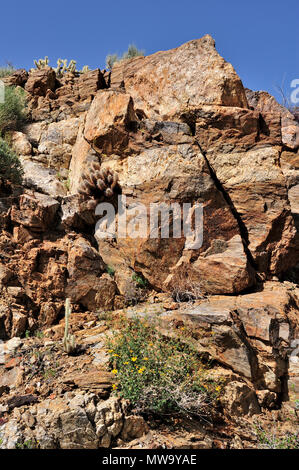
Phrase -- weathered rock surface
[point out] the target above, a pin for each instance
(209, 79)
(42, 179)
(19, 143)
(175, 127)
(268, 106)
(257, 190)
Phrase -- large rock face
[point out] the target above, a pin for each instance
(257, 188)
(166, 84)
(172, 128)
(175, 127)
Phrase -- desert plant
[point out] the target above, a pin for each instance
(41, 63)
(132, 51)
(62, 66)
(6, 71)
(110, 270)
(98, 182)
(29, 444)
(13, 110)
(271, 440)
(85, 69)
(10, 166)
(69, 343)
(111, 59)
(157, 374)
(140, 281)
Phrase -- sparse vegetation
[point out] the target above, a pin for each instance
(132, 51)
(10, 166)
(140, 281)
(110, 270)
(13, 110)
(62, 66)
(6, 71)
(29, 444)
(271, 440)
(157, 374)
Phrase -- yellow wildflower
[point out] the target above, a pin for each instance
(114, 371)
(133, 359)
(145, 358)
(114, 387)
(126, 362)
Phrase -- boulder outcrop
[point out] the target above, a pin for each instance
(155, 134)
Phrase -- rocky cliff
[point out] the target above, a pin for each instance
(174, 127)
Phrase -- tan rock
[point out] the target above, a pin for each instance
(5, 274)
(239, 400)
(40, 81)
(36, 211)
(174, 171)
(108, 121)
(49, 312)
(89, 82)
(17, 78)
(134, 426)
(20, 143)
(34, 132)
(57, 141)
(256, 185)
(80, 153)
(40, 178)
(200, 74)
(266, 104)
(19, 323)
(230, 128)
(87, 284)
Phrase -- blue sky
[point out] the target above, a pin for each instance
(260, 38)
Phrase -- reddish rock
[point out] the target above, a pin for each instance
(89, 83)
(108, 121)
(17, 78)
(36, 211)
(200, 74)
(267, 105)
(40, 81)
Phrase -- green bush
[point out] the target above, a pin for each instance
(13, 110)
(6, 71)
(140, 281)
(110, 270)
(157, 374)
(10, 166)
(111, 59)
(132, 51)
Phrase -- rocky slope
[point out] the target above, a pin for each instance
(177, 126)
